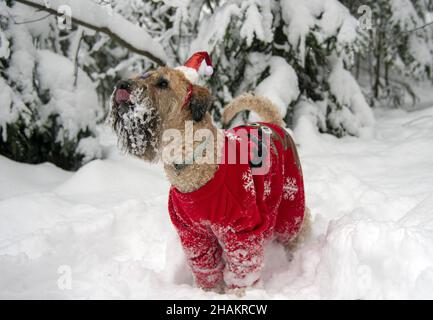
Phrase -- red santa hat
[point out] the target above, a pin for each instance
(193, 65)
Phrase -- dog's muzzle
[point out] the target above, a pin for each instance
(135, 120)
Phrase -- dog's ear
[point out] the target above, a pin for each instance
(201, 101)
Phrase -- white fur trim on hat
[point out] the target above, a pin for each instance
(190, 73)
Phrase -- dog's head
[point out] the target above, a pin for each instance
(142, 107)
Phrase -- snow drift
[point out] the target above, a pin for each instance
(371, 201)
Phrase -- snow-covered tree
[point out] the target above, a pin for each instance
(284, 49)
(56, 83)
(296, 52)
(397, 52)
(49, 109)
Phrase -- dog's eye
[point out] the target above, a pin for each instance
(162, 83)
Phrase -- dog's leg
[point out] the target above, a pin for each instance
(244, 257)
(204, 257)
(300, 237)
(202, 250)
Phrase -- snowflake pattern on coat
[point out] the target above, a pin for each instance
(290, 189)
(248, 183)
(267, 189)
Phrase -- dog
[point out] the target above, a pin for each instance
(223, 213)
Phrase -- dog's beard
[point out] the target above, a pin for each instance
(138, 128)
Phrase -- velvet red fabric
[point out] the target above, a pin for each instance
(224, 225)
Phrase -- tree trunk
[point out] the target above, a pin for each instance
(378, 64)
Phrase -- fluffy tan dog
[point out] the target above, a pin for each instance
(145, 107)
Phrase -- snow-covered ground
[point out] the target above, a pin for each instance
(371, 201)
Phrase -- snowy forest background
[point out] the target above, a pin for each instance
(332, 61)
(353, 79)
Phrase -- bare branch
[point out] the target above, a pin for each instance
(31, 21)
(104, 30)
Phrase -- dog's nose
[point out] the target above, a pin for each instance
(124, 84)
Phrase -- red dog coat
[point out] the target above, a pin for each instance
(224, 225)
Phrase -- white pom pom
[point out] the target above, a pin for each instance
(208, 70)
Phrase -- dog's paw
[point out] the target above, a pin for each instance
(289, 253)
(238, 292)
(219, 289)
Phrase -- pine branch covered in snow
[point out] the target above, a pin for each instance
(50, 108)
(285, 50)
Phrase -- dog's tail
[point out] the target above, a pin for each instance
(260, 105)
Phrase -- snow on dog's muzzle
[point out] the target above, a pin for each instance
(135, 120)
